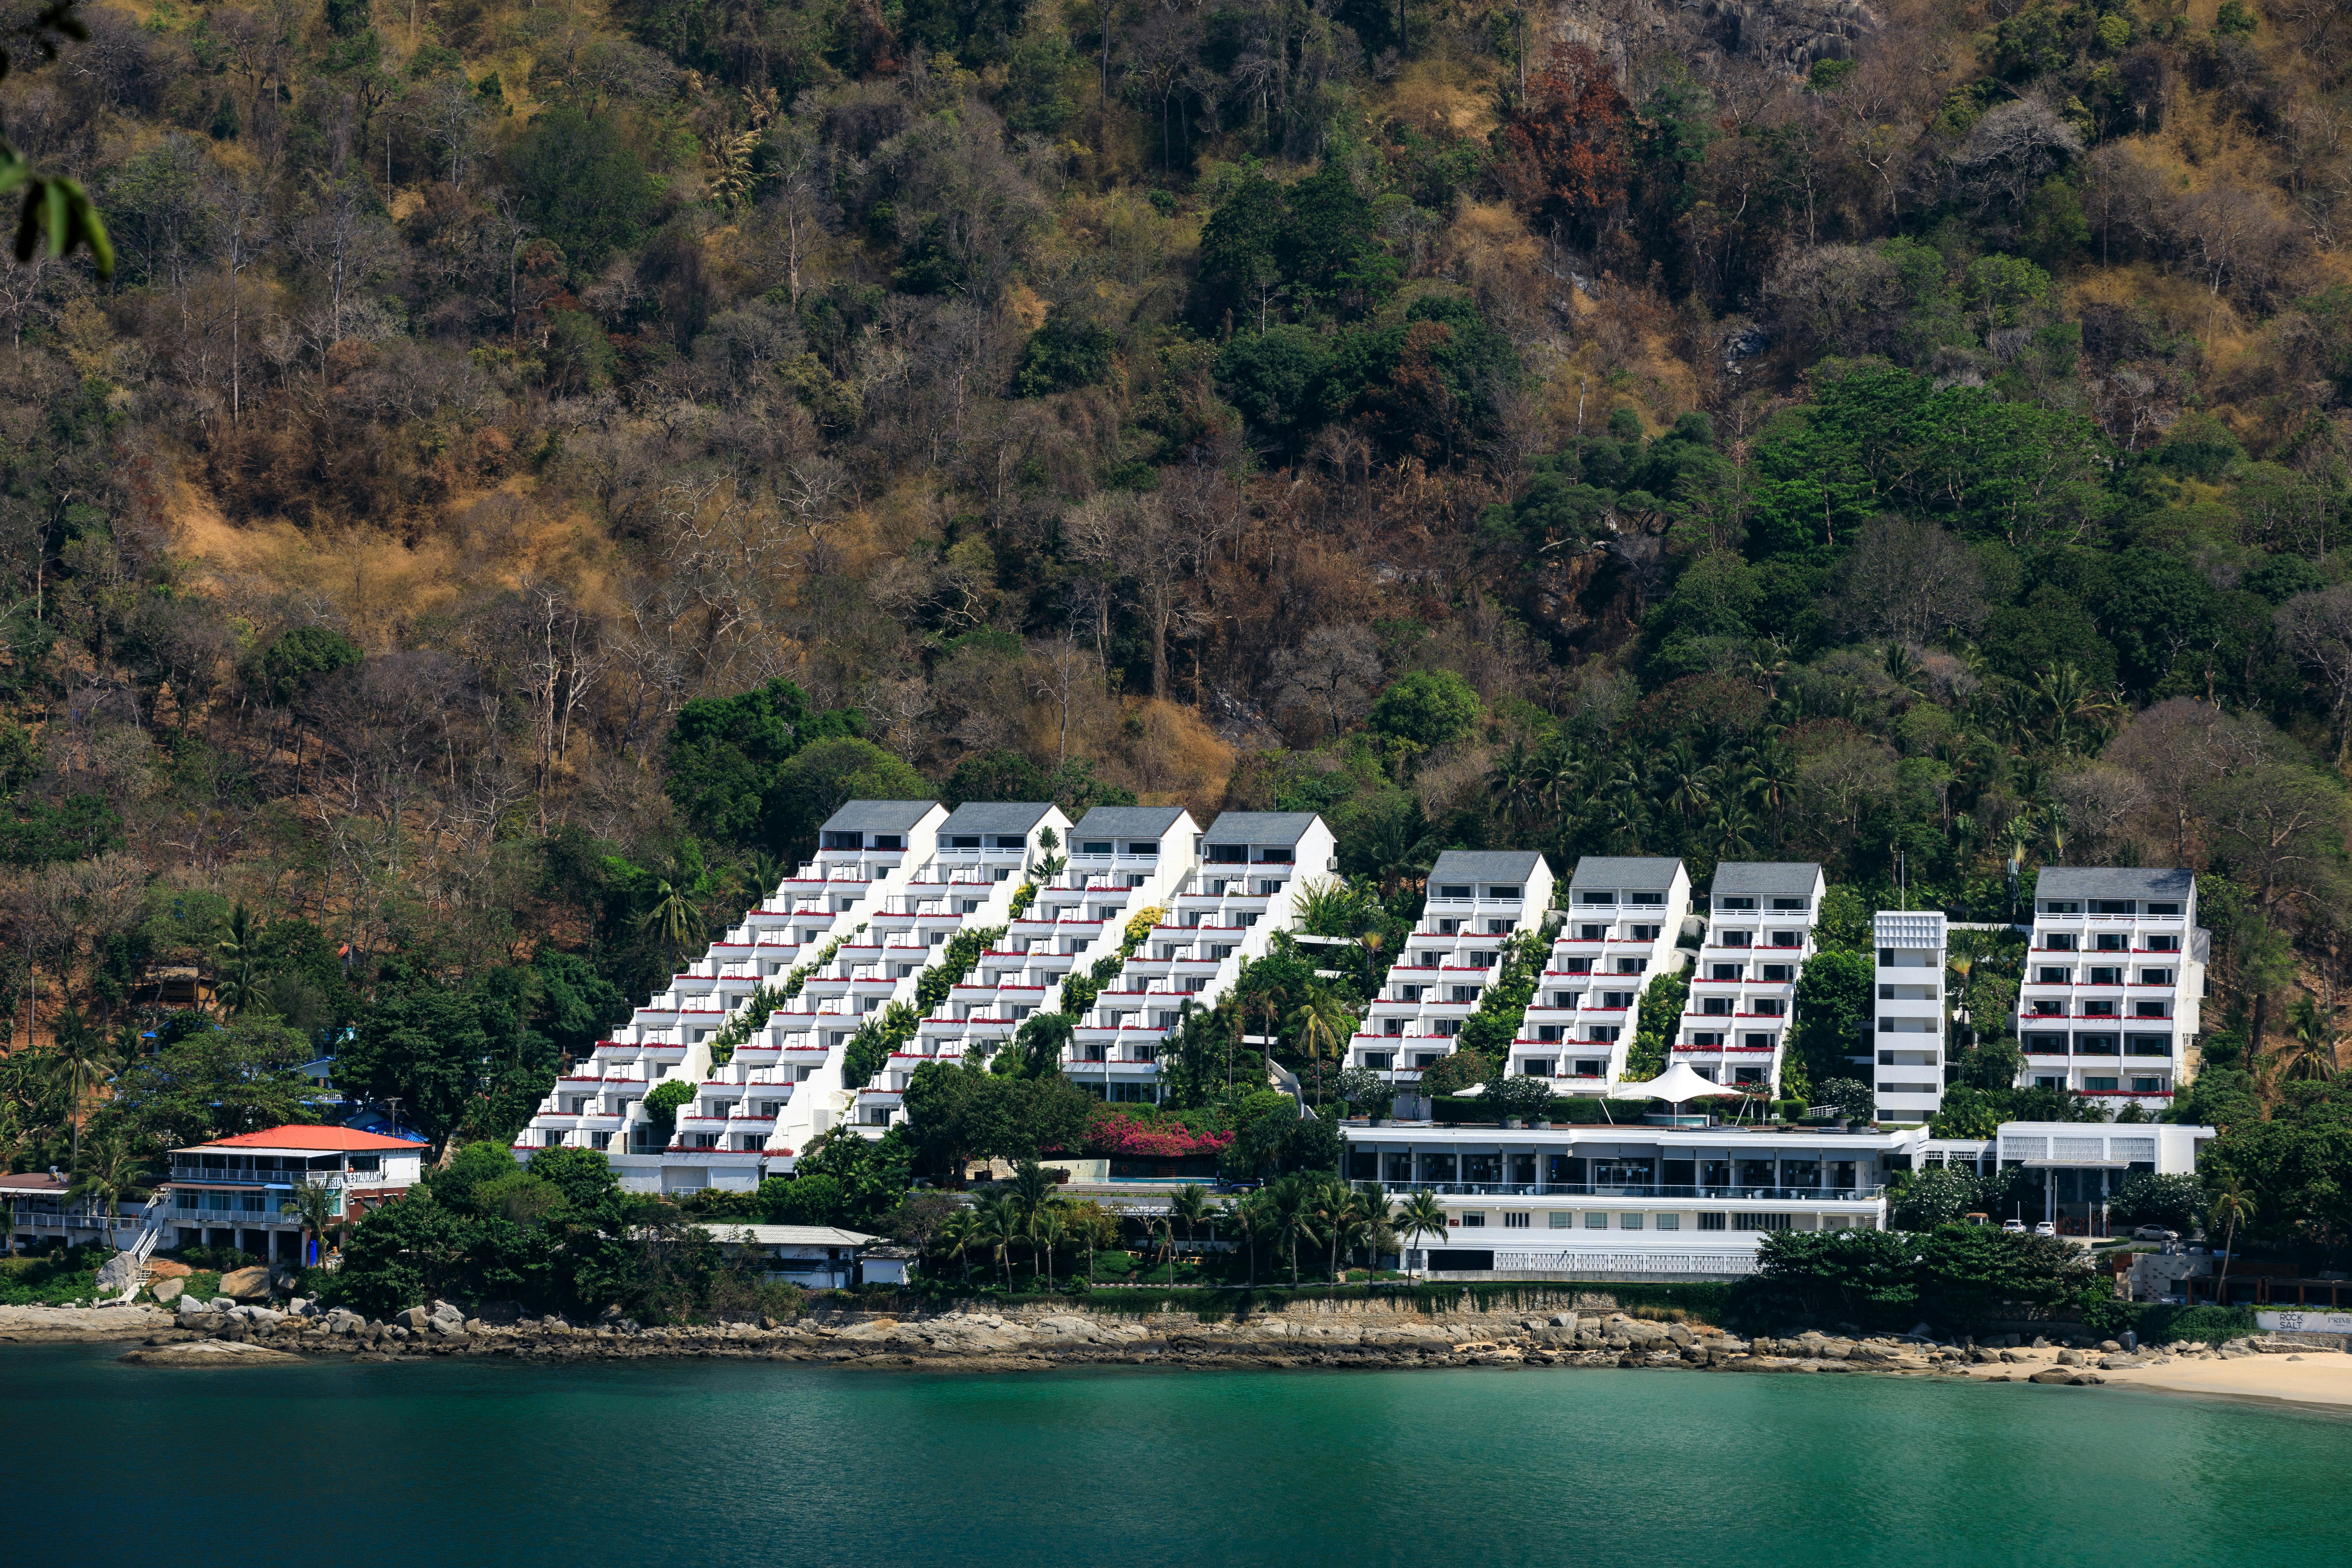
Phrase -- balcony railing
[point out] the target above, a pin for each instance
(1597, 1190)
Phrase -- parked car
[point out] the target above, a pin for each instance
(2045, 1229)
(2155, 1233)
(2016, 1226)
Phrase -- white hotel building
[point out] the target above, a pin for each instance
(1762, 917)
(2112, 982)
(1642, 1200)
(892, 882)
(1624, 918)
(1477, 899)
(1908, 1041)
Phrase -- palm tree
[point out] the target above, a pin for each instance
(1033, 1185)
(2310, 1050)
(1245, 1214)
(238, 947)
(2233, 1206)
(314, 1203)
(1333, 1203)
(2069, 704)
(1046, 1230)
(1324, 1023)
(1770, 778)
(673, 916)
(996, 1225)
(1422, 1215)
(84, 1060)
(1371, 941)
(1293, 1198)
(1371, 1220)
(958, 1235)
(106, 1175)
(1190, 1208)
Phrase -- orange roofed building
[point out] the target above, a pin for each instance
(234, 1191)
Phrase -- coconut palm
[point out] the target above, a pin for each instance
(1047, 1229)
(1294, 1215)
(996, 1227)
(1190, 1208)
(1324, 1023)
(1371, 1220)
(1329, 1200)
(2232, 1206)
(238, 948)
(314, 1203)
(1421, 1216)
(1245, 1214)
(84, 1060)
(958, 1238)
(105, 1174)
(673, 916)
(2310, 1048)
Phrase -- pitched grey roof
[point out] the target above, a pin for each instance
(2113, 882)
(1487, 865)
(1129, 821)
(996, 817)
(1784, 876)
(1260, 827)
(1642, 873)
(879, 815)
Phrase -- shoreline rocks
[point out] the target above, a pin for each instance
(968, 1337)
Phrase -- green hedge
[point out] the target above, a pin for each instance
(1578, 1109)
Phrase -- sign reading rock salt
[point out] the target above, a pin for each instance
(2305, 1322)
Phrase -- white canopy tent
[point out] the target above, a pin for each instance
(1676, 1084)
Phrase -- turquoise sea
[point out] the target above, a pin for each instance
(729, 1463)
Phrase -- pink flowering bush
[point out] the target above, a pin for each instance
(1116, 1135)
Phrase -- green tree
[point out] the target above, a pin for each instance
(584, 185)
(456, 1059)
(1429, 708)
(215, 1083)
(725, 757)
(1833, 998)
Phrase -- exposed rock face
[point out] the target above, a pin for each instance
(167, 1291)
(1784, 35)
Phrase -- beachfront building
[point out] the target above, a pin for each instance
(1624, 917)
(1761, 916)
(42, 1213)
(815, 1257)
(1477, 899)
(1644, 1200)
(1242, 881)
(1907, 1038)
(234, 1192)
(2114, 976)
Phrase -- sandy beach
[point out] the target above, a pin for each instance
(2316, 1377)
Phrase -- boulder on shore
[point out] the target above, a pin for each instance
(246, 1284)
(167, 1291)
(210, 1353)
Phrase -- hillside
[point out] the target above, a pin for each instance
(531, 462)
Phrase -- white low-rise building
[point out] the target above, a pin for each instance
(1762, 917)
(235, 1192)
(1477, 901)
(1242, 881)
(2114, 977)
(1624, 917)
(1907, 1038)
(1642, 1200)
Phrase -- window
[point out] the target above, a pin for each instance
(1756, 1042)
(1715, 1006)
(1597, 899)
(1629, 1220)
(2096, 1085)
(2147, 1009)
(1735, 903)
(2164, 909)
(1788, 938)
(1560, 1218)
(2111, 906)
(1452, 890)
(2060, 941)
(1381, 1061)
(2164, 944)
(2109, 942)
(1474, 1221)
(1596, 1222)
(1670, 1222)
(1642, 933)
(2147, 1045)
(1789, 903)
(1711, 1222)
(1502, 893)
(1095, 846)
(964, 841)
(1709, 1038)
(1723, 972)
(1768, 1006)
(2055, 907)
(1761, 1221)
(2147, 1086)
(2051, 974)
(1518, 1221)
(1780, 974)
(1646, 901)
(1146, 847)
(2156, 977)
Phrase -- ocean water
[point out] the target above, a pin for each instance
(717, 1464)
